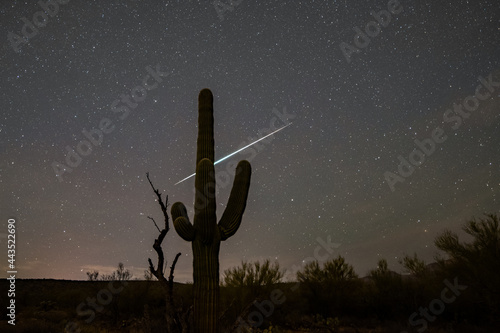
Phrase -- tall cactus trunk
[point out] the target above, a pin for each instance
(206, 286)
(205, 233)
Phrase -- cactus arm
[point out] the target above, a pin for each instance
(178, 209)
(182, 226)
(205, 219)
(231, 219)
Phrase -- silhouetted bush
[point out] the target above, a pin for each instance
(253, 275)
(384, 289)
(244, 284)
(332, 289)
(476, 264)
(413, 265)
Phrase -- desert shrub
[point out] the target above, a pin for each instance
(413, 265)
(331, 289)
(245, 283)
(385, 288)
(92, 276)
(253, 275)
(333, 270)
(121, 274)
(477, 263)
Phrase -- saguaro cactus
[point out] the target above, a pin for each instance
(205, 233)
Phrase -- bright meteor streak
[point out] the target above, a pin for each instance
(236, 152)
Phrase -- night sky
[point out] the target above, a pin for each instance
(356, 112)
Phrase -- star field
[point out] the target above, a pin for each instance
(272, 63)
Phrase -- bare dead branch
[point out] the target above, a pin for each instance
(173, 321)
(156, 225)
(158, 272)
(172, 268)
(160, 201)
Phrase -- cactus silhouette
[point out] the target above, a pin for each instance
(205, 233)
